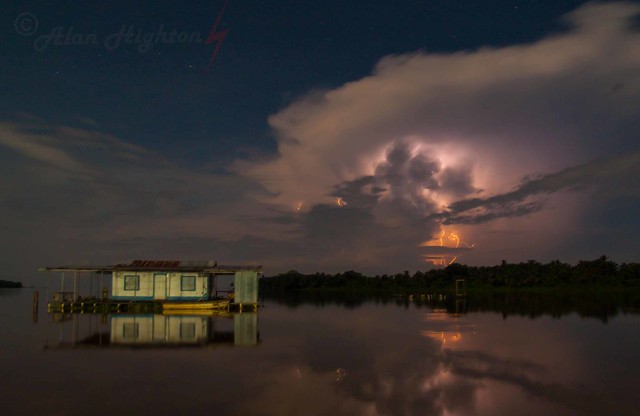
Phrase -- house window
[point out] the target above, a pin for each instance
(188, 283)
(132, 282)
(130, 330)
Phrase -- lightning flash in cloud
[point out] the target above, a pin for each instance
(455, 238)
(442, 259)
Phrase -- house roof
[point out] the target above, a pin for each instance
(209, 266)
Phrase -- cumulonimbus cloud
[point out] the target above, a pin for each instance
(513, 111)
(461, 130)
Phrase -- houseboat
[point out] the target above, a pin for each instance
(154, 285)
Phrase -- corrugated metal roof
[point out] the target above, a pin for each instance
(153, 263)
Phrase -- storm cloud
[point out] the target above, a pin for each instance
(473, 124)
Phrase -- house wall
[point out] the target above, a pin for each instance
(177, 287)
(246, 287)
(144, 288)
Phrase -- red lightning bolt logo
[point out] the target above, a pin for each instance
(215, 36)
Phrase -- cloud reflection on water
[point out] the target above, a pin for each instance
(389, 367)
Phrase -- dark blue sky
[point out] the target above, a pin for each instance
(274, 52)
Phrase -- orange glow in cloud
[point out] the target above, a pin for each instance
(299, 207)
(340, 202)
(454, 237)
(441, 259)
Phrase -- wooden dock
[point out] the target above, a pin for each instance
(103, 307)
(146, 307)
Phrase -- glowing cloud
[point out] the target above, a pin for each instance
(439, 254)
(441, 139)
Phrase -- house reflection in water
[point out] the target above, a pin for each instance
(182, 330)
(153, 331)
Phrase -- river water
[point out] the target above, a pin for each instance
(420, 356)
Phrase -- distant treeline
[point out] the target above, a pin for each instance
(532, 274)
(8, 284)
(599, 303)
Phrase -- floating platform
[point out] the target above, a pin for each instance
(203, 305)
(104, 307)
(153, 307)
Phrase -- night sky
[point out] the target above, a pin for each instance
(324, 136)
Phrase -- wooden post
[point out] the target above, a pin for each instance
(49, 286)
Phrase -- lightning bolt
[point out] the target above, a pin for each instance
(215, 36)
(453, 236)
(443, 260)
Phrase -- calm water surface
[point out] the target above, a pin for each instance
(369, 358)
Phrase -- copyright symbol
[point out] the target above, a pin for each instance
(26, 24)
